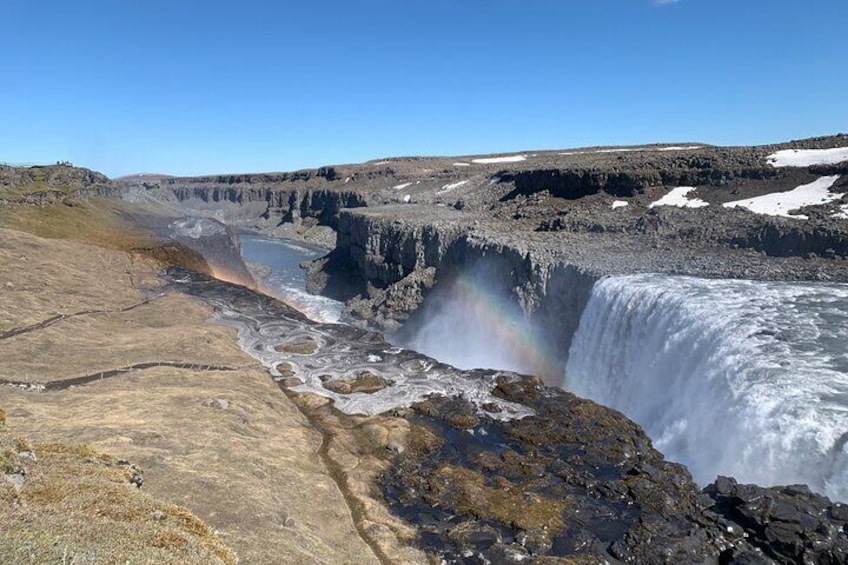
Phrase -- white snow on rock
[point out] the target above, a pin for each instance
(407, 198)
(619, 150)
(507, 159)
(452, 186)
(807, 157)
(632, 149)
(781, 203)
(462, 164)
(619, 204)
(402, 186)
(843, 212)
(678, 197)
(680, 148)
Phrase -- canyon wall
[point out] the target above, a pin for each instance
(282, 203)
(392, 265)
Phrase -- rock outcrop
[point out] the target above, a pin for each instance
(581, 480)
(46, 184)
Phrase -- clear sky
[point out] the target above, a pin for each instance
(191, 87)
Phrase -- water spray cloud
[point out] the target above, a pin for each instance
(471, 323)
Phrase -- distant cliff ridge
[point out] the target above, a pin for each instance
(402, 224)
(41, 184)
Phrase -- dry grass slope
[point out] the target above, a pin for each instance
(250, 469)
(101, 222)
(64, 503)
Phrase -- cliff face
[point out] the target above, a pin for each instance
(286, 205)
(392, 264)
(277, 205)
(546, 225)
(543, 226)
(573, 183)
(775, 237)
(782, 240)
(388, 259)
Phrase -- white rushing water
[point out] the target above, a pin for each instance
(740, 378)
(284, 279)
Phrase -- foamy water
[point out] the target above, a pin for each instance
(285, 280)
(738, 378)
(195, 228)
(410, 377)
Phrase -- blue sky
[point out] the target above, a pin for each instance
(190, 87)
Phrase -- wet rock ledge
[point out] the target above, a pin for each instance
(580, 480)
(573, 483)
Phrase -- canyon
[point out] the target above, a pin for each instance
(494, 464)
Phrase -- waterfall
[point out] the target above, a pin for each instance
(740, 378)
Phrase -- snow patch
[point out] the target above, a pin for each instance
(462, 164)
(402, 186)
(680, 148)
(632, 149)
(619, 204)
(620, 150)
(407, 198)
(678, 197)
(843, 212)
(452, 186)
(506, 159)
(807, 157)
(782, 203)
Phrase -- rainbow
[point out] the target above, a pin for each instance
(510, 330)
(223, 273)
